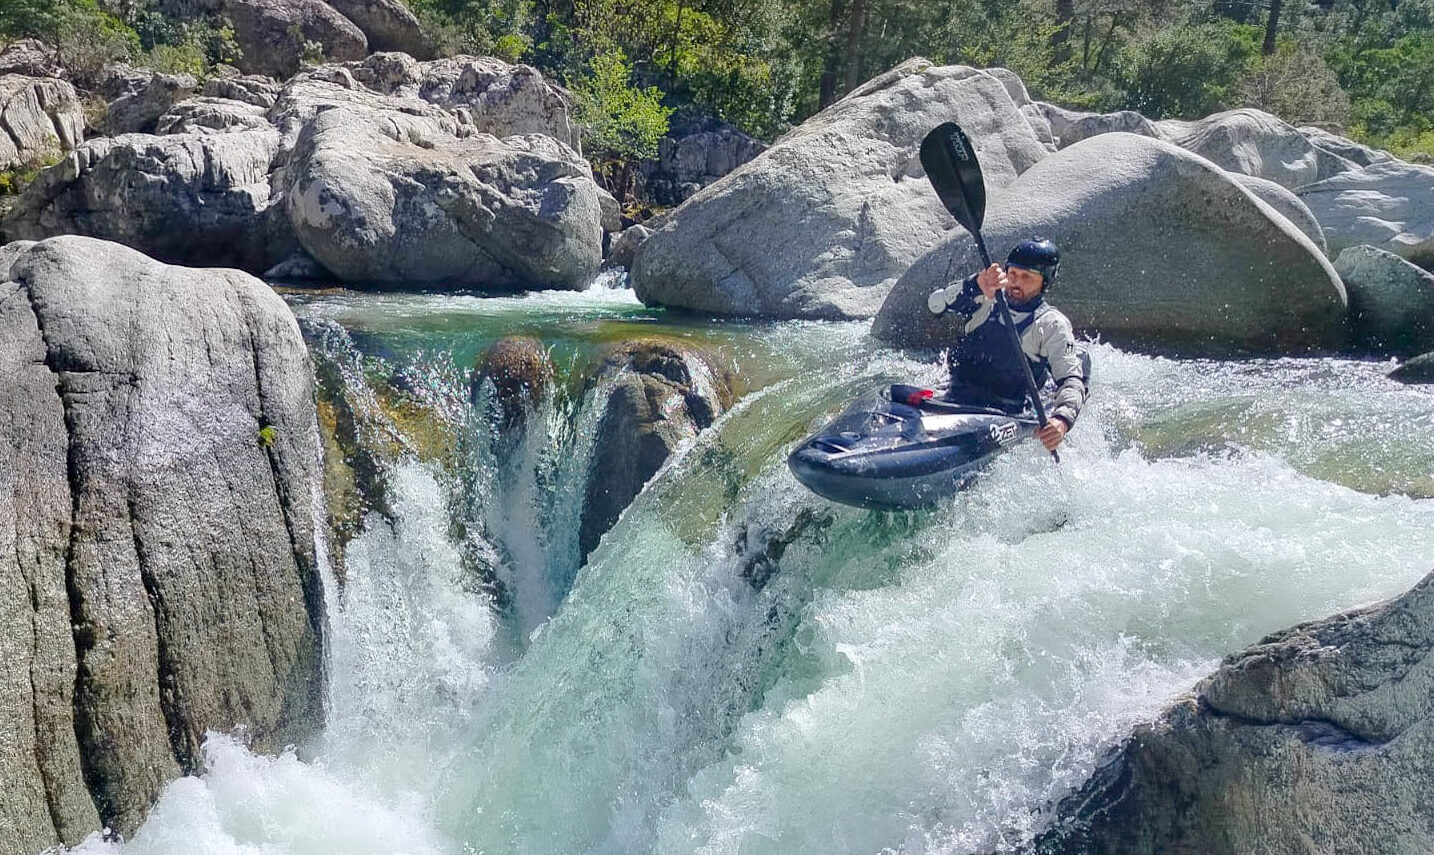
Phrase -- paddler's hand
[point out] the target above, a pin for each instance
(991, 280)
(1052, 434)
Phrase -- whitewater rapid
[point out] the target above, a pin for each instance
(743, 668)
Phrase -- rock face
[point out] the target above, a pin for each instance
(1252, 142)
(387, 24)
(1071, 126)
(212, 116)
(1317, 739)
(687, 163)
(40, 117)
(399, 199)
(1360, 155)
(1389, 204)
(662, 396)
(138, 97)
(520, 372)
(30, 58)
(273, 34)
(822, 223)
(199, 199)
(1420, 369)
(1288, 204)
(157, 549)
(1159, 247)
(625, 247)
(1391, 302)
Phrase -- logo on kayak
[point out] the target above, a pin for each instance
(1004, 434)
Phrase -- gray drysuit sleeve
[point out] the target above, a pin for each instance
(1051, 340)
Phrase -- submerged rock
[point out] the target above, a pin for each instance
(662, 396)
(157, 553)
(1159, 247)
(1317, 739)
(1420, 369)
(520, 372)
(1391, 302)
(822, 223)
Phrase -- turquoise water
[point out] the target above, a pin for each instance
(741, 667)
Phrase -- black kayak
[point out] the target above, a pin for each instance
(903, 448)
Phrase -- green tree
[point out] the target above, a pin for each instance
(622, 123)
(1187, 71)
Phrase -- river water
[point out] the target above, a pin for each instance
(741, 667)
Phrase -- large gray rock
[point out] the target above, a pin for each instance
(40, 118)
(212, 116)
(1391, 302)
(273, 34)
(388, 26)
(386, 197)
(138, 97)
(500, 99)
(1253, 142)
(1318, 739)
(254, 89)
(1287, 203)
(157, 555)
(688, 162)
(624, 248)
(823, 223)
(200, 199)
(1420, 369)
(662, 395)
(1159, 246)
(1348, 149)
(1071, 126)
(1389, 204)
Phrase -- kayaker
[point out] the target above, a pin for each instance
(983, 371)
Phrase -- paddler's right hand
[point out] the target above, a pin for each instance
(991, 280)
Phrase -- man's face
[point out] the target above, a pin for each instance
(1023, 284)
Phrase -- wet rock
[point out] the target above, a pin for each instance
(520, 373)
(158, 566)
(1391, 302)
(387, 197)
(625, 247)
(1071, 126)
(388, 25)
(138, 97)
(1288, 204)
(662, 396)
(1420, 369)
(1159, 248)
(1317, 739)
(1389, 204)
(1252, 142)
(823, 223)
(40, 119)
(199, 199)
(299, 267)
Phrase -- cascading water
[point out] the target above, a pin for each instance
(741, 667)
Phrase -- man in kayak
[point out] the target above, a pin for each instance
(984, 371)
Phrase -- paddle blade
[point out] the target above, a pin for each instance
(950, 163)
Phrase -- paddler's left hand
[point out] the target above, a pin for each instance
(1052, 434)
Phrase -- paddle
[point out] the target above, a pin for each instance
(951, 165)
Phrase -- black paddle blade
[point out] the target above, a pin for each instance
(950, 163)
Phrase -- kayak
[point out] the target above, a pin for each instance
(903, 448)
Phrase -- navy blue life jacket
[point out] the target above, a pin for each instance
(985, 371)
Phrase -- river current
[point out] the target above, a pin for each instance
(743, 668)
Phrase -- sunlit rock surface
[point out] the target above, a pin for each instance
(822, 223)
(1317, 739)
(1159, 247)
(157, 551)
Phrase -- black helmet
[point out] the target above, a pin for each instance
(1040, 255)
